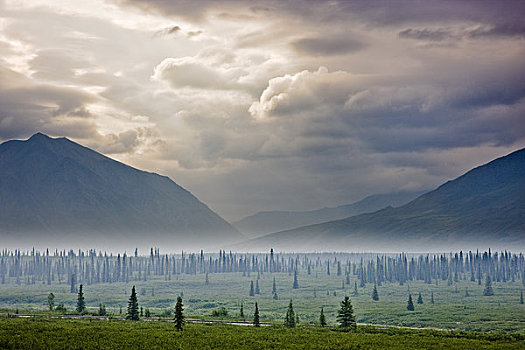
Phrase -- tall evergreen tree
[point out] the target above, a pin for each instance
(289, 319)
(179, 314)
(432, 298)
(256, 321)
(410, 304)
(81, 303)
(252, 290)
(356, 293)
(345, 315)
(274, 287)
(51, 301)
(257, 290)
(375, 295)
(241, 311)
(521, 297)
(102, 309)
(133, 306)
(295, 282)
(488, 291)
(322, 318)
(419, 299)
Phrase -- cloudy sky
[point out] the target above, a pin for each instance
(258, 105)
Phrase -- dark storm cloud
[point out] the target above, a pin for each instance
(167, 31)
(516, 29)
(377, 12)
(510, 30)
(26, 107)
(190, 9)
(426, 34)
(326, 46)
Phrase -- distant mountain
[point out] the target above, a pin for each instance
(55, 190)
(273, 221)
(485, 206)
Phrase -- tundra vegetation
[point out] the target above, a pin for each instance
(453, 293)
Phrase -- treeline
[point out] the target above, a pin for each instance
(89, 267)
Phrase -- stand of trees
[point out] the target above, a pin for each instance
(90, 267)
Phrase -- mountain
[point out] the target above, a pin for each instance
(273, 221)
(55, 190)
(485, 206)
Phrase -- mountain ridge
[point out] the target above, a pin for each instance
(58, 188)
(484, 205)
(273, 221)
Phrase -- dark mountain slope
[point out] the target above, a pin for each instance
(57, 188)
(485, 205)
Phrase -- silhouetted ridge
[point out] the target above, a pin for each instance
(58, 187)
(486, 204)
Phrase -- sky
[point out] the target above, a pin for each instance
(271, 105)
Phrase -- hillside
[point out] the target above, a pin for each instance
(485, 205)
(273, 221)
(55, 190)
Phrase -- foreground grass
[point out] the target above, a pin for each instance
(35, 333)
(452, 310)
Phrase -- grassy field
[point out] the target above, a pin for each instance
(17, 333)
(451, 310)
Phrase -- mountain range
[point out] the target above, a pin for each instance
(57, 191)
(485, 206)
(274, 221)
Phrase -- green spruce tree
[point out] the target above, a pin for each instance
(256, 321)
(375, 295)
(432, 298)
(102, 310)
(274, 287)
(345, 315)
(133, 306)
(521, 297)
(419, 299)
(81, 303)
(252, 290)
(289, 319)
(241, 311)
(295, 282)
(179, 314)
(410, 304)
(51, 301)
(322, 318)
